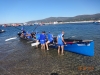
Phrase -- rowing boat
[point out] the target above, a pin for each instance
(1, 31)
(84, 47)
(24, 38)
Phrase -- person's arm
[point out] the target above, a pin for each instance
(63, 39)
(57, 40)
(52, 36)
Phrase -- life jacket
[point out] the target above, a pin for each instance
(50, 36)
(59, 39)
(37, 36)
(42, 37)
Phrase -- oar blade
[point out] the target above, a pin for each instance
(10, 38)
(34, 44)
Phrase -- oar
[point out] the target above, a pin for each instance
(18, 28)
(71, 37)
(34, 44)
(31, 41)
(11, 38)
(36, 27)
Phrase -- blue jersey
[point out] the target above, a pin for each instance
(50, 37)
(42, 38)
(38, 36)
(59, 39)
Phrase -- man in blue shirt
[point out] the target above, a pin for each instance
(42, 40)
(61, 42)
(50, 39)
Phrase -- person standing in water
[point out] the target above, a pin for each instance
(61, 42)
(43, 40)
(50, 39)
(37, 38)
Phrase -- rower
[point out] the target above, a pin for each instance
(42, 40)
(28, 35)
(50, 40)
(61, 42)
(23, 34)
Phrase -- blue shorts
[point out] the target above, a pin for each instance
(42, 41)
(60, 44)
(38, 39)
(50, 41)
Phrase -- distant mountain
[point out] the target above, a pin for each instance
(69, 19)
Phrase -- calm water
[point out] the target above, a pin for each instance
(17, 57)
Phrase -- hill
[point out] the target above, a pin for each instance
(69, 19)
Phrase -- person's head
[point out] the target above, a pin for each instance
(63, 32)
(43, 32)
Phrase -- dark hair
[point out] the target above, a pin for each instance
(43, 31)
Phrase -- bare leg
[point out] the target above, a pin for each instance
(47, 45)
(58, 50)
(37, 42)
(44, 46)
(62, 50)
(41, 46)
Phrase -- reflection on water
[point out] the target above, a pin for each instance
(17, 57)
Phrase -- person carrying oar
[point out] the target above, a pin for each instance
(61, 42)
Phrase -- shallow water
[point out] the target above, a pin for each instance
(17, 57)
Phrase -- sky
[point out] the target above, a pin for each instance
(20, 11)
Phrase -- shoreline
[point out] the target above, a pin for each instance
(54, 23)
(73, 22)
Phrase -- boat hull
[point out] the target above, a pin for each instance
(1, 31)
(83, 48)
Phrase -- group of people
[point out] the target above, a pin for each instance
(44, 40)
(25, 35)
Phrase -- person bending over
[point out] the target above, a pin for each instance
(50, 39)
(42, 40)
(37, 38)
